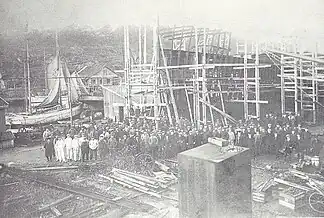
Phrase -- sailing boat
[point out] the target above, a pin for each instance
(62, 100)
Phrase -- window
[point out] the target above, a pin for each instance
(108, 81)
(100, 81)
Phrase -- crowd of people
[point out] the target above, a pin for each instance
(270, 135)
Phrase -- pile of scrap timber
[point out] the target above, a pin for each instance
(153, 186)
(293, 187)
(263, 192)
(292, 198)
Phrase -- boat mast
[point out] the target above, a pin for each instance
(45, 72)
(70, 98)
(26, 88)
(28, 78)
(58, 66)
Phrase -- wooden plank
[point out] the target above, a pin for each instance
(138, 188)
(115, 213)
(291, 184)
(9, 184)
(6, 201)
(136, 181)
(52, 168)
(53, 204)
(163, 167)
(47, 180)
(87, 210)
(56, 212)
(147, 179)
(129, 183)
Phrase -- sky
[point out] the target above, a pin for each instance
(248, 19)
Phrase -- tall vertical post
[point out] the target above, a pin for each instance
(295, 80)
(314, 95)
(301, 73)
(28, 79)
(45, 72)
(204, 87)
(282, 85)
(155, 72)
(316, 73)
(127, 66)
(58, 67)
(26, 87)
(70, 100)
(196, 83)
(144, 46)
(257, 81)
(140, 46)
(245, 91)
(140, 58)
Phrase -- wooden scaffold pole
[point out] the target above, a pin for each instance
(245, 89)
(174, 105)
(295, 79)
(282, 84)
(257, 81)
(155, 72)
(196, 83)
(127, 69)
(314, 84)
(204, 86)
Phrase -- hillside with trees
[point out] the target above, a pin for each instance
(78, 46)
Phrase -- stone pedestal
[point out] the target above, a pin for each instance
(214, 182)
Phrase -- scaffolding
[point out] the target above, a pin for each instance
(194, 61)
(301, 75)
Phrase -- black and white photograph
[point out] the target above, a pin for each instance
(161, 108)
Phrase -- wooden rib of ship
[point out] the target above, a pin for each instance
(61, 103)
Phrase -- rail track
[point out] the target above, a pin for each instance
(30, 194)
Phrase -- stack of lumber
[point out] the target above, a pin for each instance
(153, 186)
(263, 192)
(292, 198)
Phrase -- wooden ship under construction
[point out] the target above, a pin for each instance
(194, 73)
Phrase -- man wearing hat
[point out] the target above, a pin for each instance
(93, 147)
(49, 149)
(84, 148)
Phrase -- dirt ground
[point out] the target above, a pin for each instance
(34, 156)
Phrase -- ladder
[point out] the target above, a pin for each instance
(289, 84)
(251, 84)
(307, 88)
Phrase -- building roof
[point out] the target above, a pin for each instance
(120, 92)
(3, 103)
(96, 70)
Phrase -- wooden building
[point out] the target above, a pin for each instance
(96, 75)
(114, 101)
(6, 138)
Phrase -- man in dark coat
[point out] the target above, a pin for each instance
(84, 148)
(49, 149)
(316, 146)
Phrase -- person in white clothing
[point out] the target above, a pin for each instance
(56, 148)
(93, 145)
(76, 148)
(231, 137)
(68, 144)
(61, 146)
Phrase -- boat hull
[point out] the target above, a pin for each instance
(43, 118)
